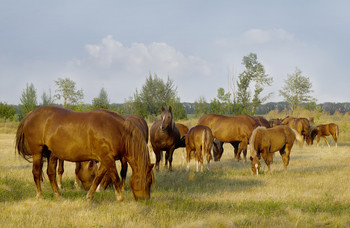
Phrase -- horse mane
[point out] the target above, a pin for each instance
(252, 149)
(136, 149)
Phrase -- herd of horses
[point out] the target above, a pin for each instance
(95, 140)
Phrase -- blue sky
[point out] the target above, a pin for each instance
(198, 44)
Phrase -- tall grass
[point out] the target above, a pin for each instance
(313, 193)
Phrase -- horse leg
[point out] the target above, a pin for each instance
(285, 154)
(100, 174)
(60, 172)
(37, 174)
(188, 158)
(51, 172)
(266, 157)
(335, 139)
(242, 146)
(123, 171)
(318, 139)
(324, 137)
(235, 150)
(167, 152)
(77, 168)
(171, 151)
(112, 172)
(157, 152)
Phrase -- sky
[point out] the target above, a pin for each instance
(199, 45)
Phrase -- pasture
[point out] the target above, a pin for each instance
(314, 192)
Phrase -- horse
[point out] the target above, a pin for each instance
(262, 121)
(142, 125)
(275, 122)
(58, 133)
(324, 130)
(165, 136)
(265, 141)
(199, 141)
(232, 129)
(301, 125)
(183, 129)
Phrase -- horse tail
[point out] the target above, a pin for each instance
(298, 137)
(337, 131)
(205, 142)
(21, 144)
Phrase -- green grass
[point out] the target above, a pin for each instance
(313, 193)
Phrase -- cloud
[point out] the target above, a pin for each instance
(123, 68)
(259, 36)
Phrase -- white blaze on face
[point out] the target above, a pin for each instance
(256, 168)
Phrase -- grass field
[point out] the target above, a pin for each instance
(313, 193)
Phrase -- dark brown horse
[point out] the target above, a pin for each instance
(324, 130)
(165, 136)
(199, 141)
(58, 133)
(231, 129)
(262, 121)
(265, 141)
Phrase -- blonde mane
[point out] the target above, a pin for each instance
(252, 149)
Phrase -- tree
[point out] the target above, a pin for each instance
(154, 95)
(28, 99)
(7, 111)
(297, 89)
(69, 93)
(201, 106)
(47, 98)
(254, 72)
(101, 101)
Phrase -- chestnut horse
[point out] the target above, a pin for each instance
(262, 121)
(265, 141)
(301, 125)
(324, 130)
(59, 133)
(165, 136)
(275, 122)
(142, 125)
(232, 129)
(199, 141)
(183, 129)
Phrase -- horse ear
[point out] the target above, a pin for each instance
(169, 108)
(251, 158)
(163, 108)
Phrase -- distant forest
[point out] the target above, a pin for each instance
(263, 109)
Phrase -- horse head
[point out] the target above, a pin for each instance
(218, 149)
(142, 188)
(255, 164)
(86, 172)
(167, 119)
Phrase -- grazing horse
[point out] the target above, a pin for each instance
(324, 130)
(165, 136)
(275, 122)
(232, 129)
(142, 125)
(262, 121)
(199, 141)
(59, 133)
(265, 141)
(301, 125)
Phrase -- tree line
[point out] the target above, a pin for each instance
(243, 97)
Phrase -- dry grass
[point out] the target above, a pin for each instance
(314, 192)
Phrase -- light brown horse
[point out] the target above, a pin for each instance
(58, 133)
(301, 125)
(199, 141)
(142, 125)
(231, 129)
(324, 130)
(165, 136)
(265, 141)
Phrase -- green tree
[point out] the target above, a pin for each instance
(28, 99)
(68, 92)
(101, 101)
(254, 72)
(201, 106)
(154, 95)
(7, 112)
(297, 89)
(47, 98)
